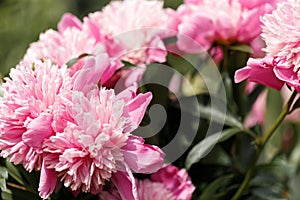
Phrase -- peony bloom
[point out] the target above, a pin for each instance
(281, 33)
(69, 42)
(95, 145)
(168, 183)
(231, 21)
(129, 31)
(26, 110)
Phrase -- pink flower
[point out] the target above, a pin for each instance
(177, 181)
(231, 21)
(257, 114)
(69, 42)
(281, 30)
(96, 145)
(169, 183)
(26, 110)
(281, 33)
(260, 71)
(130, 33)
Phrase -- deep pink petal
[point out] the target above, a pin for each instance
(289, 76)
(259, 71)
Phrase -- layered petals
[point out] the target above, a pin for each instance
(260, 71)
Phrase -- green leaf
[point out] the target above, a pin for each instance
(14, 172)
(216, 189)
(217, 113)
(3, 172)
(241, 48)
(74, 60)
(17, 194)
(2, 184)
(218, 116)
(170, 40)
(203, 148)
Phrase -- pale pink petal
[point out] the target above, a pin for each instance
(67, 21)
(48, 180)
(142, 158)
(38, 130)
(91, 72)
(137, 106)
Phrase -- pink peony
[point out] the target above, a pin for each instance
(231, 21)
(96, 145)
(281, 33)
(69, 42)
(168, 183)
(129, 31)
(26, 110)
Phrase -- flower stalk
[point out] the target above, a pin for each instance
(260, 143)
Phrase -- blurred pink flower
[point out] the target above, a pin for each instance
(26, 110)
(231, 21)
(168, 183)
(96, 145)
(130, 33)
(257, 114)
(69, 42)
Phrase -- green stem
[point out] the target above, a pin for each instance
(261, 142)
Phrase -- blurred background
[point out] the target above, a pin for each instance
(22, 21)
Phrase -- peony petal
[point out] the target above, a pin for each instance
(142, 158)
(67, 21)
(289, 76)
(126, 185)
(137, 108)
(38, 130)
(91, 72)
(48, 180)
(259, 71)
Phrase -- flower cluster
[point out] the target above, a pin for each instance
(73, 121)
(70, 107)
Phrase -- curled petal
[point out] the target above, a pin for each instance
(142, 158)
(259, 71)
